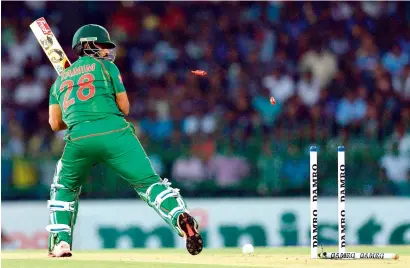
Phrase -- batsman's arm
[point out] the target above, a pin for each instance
(123, 102)
(55, 118)
(121, 96)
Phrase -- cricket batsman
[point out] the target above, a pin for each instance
(89, 100)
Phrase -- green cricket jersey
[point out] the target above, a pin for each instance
(86, 91)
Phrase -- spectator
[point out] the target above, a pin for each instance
(383, 185)
(280, 85)
(189, 171)
(403, 140)
(282, 61)
(174, 19)
(320, 122)
(395, 60)
(157, 164)
(25, 175)
(9, 69)
(401, 84)
(149, 66)
(371, 123)
(397, 166)
(339, 43)
(351, 109)
(268, 112)
(338, 86)
(341, 11)
(155, 127)
(29, 93)
(228, 169)
(373, 9)
(296, 24)
(199, 121)
(367, 55)
(296, 170)
(123, 22)
(26, 46)
(308, 89)
(16, 146)
(404, 40)
(267, 46)
(321, 63)
(273, 10)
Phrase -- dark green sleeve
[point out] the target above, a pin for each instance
(116, 77)
(53, 98)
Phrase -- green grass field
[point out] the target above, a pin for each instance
(293, 257)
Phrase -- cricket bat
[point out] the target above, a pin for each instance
(50, 45)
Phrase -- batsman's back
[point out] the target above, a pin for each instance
(85, 91)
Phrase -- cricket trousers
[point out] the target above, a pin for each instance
(111, 141)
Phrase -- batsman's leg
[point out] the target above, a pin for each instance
(64, 196)
(126, 155)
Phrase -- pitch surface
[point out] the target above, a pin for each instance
(295, 257)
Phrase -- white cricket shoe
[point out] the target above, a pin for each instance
(62, 249)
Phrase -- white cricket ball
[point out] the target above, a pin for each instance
(247, 249)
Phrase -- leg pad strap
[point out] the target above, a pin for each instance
(56, 228)
(55, 205)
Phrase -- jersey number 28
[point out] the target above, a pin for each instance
(85, 82)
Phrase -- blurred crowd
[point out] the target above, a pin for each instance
(339, 71)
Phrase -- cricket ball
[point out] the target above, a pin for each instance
(247, 249)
